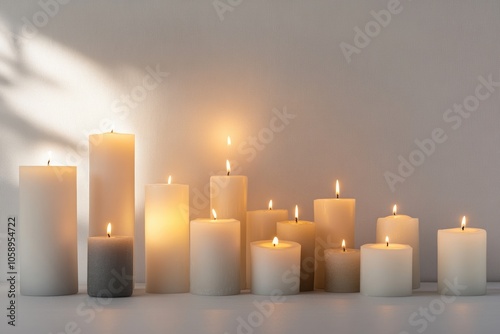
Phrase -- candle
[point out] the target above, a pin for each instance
(302, 232)
(110, 268)
(275, 266)
(261, 225)
(111, 175)
(228, 196)
(386, 270)
(462, 261)
(403, 230)
(215, 256)
(334, 218)
(48, 230)
(342, 269)
(167, 237)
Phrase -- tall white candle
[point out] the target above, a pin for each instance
(228, 197)
(342, 269)
(335, 219)
(167, 238)
(261, 225)
(112, 185)
(48, 230)
(386, 270)
(403, 230)
(215, 257)
(462, 261)
(275, 266)
(302, 232)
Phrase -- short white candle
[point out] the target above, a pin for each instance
(462, 261)
(386, 270)
(275, 266)
(302, 232)
(215, 257)
(342, 269)
(403, 230)
(334, 218)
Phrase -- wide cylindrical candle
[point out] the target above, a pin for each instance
(48, 230)
(462, 261)
(166, 213)
(386, 270)
(228, 196)
(112, 185)
(403, 230)
(215, 257)
(342, 270)
(275, 267)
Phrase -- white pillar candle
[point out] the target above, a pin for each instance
(111, 176)
(462, 261)
(215, 257)
(403, 230)
(302, 232)
(110, 267)
(386, 270)
(48, 230)
(275, 267)
(166, 214)
(335, 219)
(342, 269)
(228, 197)
(261, 225)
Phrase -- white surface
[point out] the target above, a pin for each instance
(313, 312)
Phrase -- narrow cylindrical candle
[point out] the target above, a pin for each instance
(462, 261)
(215, 257)
(275, 266)
(342, 269)
(302, 232)
(403, 230)
(48, 230)
(385, 270)
(112, 185)
(335, 220)
(261, 225)
(167, 238)
(110, 267)
(228, 197)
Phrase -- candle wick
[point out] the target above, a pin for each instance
(463, 228)
(394, 213)
(48, 162)
(387, 244)
(296, 219)
(109, 235)
(343, 249)
(337, 195)
(228, 173)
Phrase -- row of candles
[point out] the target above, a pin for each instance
(235, 249)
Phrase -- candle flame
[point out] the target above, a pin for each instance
(108, 230)
(464, 221)
(228, 167)
(50, 157)
(296, 213)
(270, 204)
(169, 179)
(228, 141)
(337, 188)
(387, 241)
(394, 209)
(275, 241)
(343, 245)
(214, 214)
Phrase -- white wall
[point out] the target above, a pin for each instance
(226, 76)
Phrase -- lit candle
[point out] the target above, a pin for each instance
(275, 266)
(342, 269)
(167, 237)
(261, 225)
(334, 218)
(48, 230)
(228, 196)
(386, 269)
(215, 256)
(302, 232)
(110, 268)
(111, 188)
(403, 230)
(462, 261)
